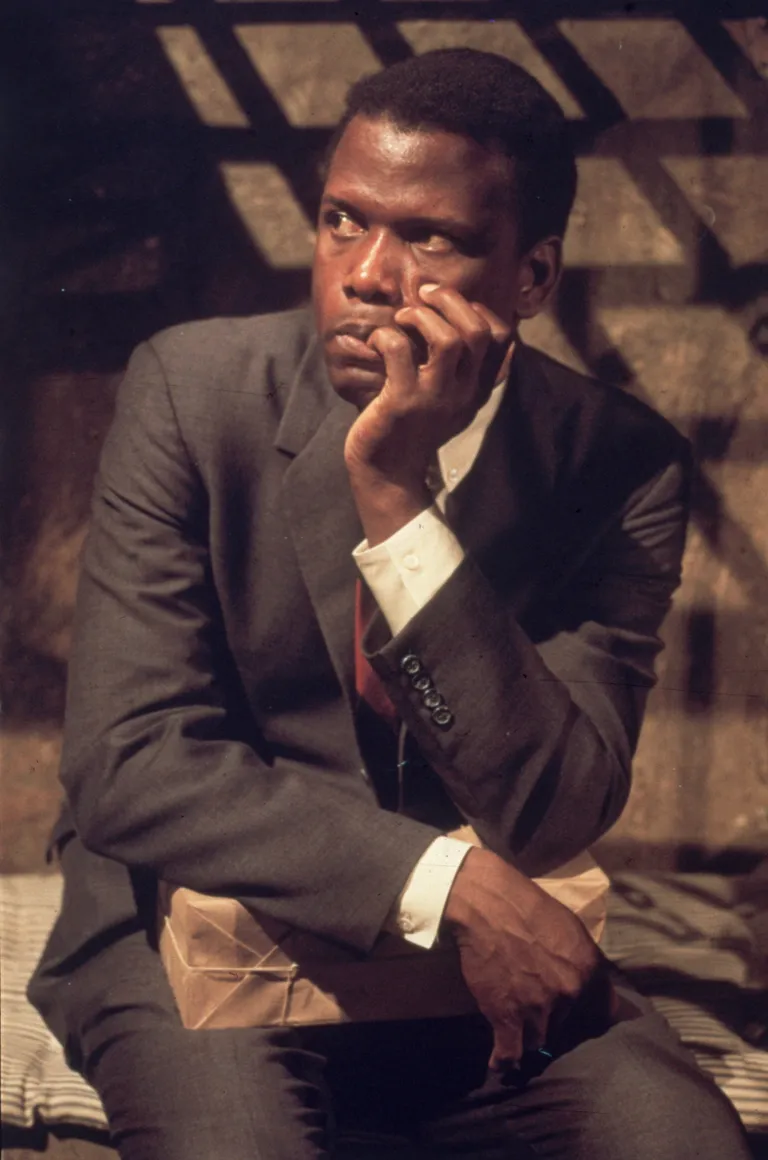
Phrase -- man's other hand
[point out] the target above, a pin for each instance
(535, 973)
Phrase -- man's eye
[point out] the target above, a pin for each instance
(341, 224)
(435, 243)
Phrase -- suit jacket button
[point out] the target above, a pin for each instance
(411, 665)
(421, 682)
(443, 717)
(432, 699)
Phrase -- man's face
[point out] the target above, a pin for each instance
(401, 208)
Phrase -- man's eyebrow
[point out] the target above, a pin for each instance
(340, 203)
(418, 221)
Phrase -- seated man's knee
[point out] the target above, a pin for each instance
(640, 1097)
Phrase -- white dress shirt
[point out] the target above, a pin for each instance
(404, 573)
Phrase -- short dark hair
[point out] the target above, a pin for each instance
(495, 102)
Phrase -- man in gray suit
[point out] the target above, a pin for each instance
(518, 531)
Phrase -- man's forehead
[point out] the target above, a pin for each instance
(377, 154)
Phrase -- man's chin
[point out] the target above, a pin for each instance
(355, 384)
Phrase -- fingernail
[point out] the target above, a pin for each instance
(428, 287)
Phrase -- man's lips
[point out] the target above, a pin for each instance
(356, 349)
(351, 340)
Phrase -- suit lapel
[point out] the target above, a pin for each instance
(318, 503)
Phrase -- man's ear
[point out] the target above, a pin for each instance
(539, 274)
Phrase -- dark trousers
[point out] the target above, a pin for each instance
(405, 1090)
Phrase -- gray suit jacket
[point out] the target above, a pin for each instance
(210, 736)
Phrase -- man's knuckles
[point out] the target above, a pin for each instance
(448, 332)
(389, 340)
(446, 348)
(473, 340)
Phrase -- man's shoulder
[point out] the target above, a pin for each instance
(235, 348)
(590, 409)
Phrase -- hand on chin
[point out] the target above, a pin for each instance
(356, 383)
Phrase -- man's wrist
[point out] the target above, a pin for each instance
(418, 910)
(475, 883)
(461, 902)
(385, 507)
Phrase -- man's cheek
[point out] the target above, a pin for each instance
(320, 293)
(329, 281)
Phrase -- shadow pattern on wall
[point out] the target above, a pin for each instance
(165, 157)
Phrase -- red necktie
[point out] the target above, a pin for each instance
(367, 684)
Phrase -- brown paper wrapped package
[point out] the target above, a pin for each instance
(230, 967)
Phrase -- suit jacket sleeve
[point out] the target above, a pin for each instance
(157, 773)
(538, 751)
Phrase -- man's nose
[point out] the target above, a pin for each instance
(375, 273)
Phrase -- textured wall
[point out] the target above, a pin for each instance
(166, 156)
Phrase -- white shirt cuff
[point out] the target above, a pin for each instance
(405, 571)
(418, 910)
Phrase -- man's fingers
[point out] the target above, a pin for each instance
(501, 332)
(476, 329)
(473, 325)
(498, 347)
(397, 352)
(486, 338)
(590, 1015)
(534, 1034)
(445, 344)
(477, 323)
(507, 1046)
(451, 373)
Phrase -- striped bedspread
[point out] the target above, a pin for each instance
(688, 942)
